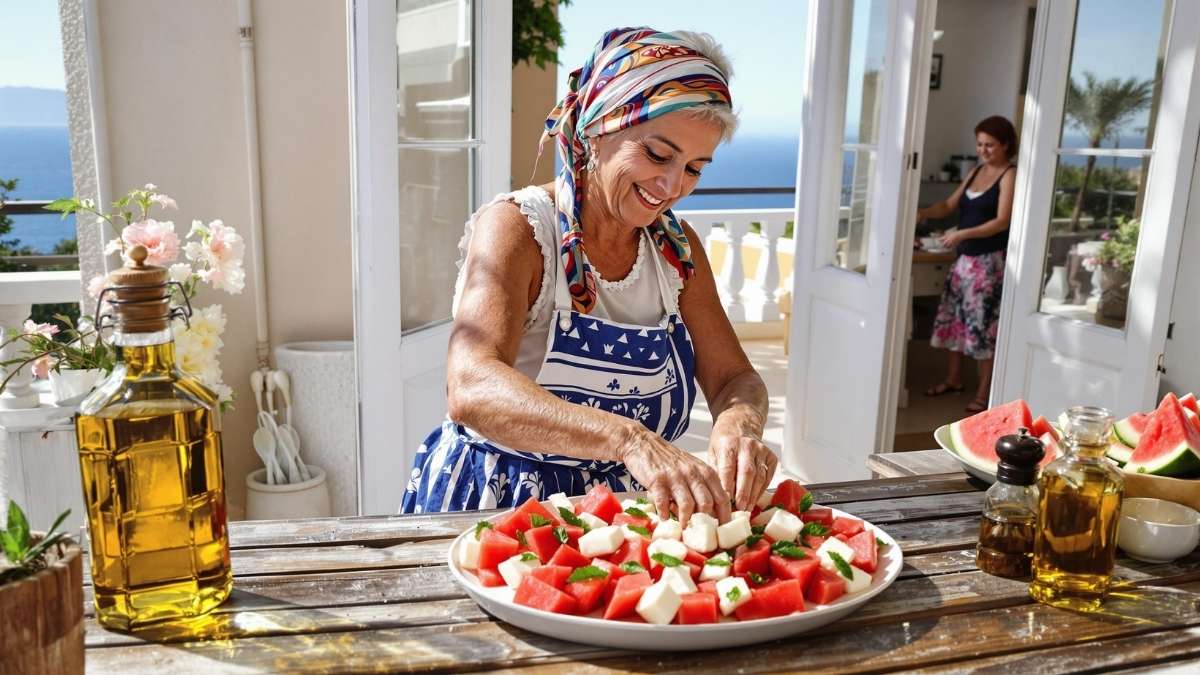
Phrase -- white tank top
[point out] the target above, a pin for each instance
(636, 299)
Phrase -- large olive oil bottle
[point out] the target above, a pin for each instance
(150, 454)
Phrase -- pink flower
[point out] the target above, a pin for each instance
(46, 329)
(1105, 236)
(159, 238)
(41, 367)
(218, 256)
(96, 285)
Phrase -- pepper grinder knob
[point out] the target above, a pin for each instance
(1020, 455)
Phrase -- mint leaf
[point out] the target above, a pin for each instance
(753, 539)
(758, 529)
(521, 539)
(842, 566)
(640, 530)
(806, 502)
(642, 500)
(636, 512)
(758, 579)
(632, 567)
(734, 593)
(788, 549)
(718, 562)
(560, 533)
(666, 560)
(570, 518)
(480, 527)
(528, 557)
(815, 529)
(538, 521)
(586, 574)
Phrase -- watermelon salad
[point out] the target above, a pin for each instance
(1164, 442)
(620, 560)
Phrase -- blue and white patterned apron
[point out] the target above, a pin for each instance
(645, 373)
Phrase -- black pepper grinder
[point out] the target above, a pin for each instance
(1009, 525)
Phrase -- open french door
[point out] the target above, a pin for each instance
(863, 118)
(432, 86)
(1075, 327)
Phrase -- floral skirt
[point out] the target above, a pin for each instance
(969, 314)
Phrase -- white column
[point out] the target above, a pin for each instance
(733, 274)
(19, 393)
(762, 295)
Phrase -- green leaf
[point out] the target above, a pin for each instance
(18, 525)
(645, 532)
(734, 594)
(815, 529)
(58, 521)
(753, 539)
(40, 548)
(11, 550)
(758, 529)
(560, 533)
(538, 521)
(718, 562)
(586, 574)
(806, 502)
(521, 539)
(570, 518)
(65, 206)
(879, 543)
(642, 500)
(788, 549)
(758, 579)
(842, 566)
(666, 560)
(480, 527)
(528, 557)
(632, 567)
(636, 512)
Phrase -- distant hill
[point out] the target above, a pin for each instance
(32, 107)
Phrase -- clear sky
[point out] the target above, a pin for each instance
(30, 44)
(763, 38)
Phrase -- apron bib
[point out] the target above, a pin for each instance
(644, 373)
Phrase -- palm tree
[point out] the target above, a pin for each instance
(1101, 109)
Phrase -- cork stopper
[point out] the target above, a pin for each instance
(140, 296)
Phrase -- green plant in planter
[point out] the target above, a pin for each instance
(23, 556)
(79, 347)
(1120, 246)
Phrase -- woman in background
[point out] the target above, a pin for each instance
(969, 313)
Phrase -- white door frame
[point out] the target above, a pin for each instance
(867, 305)
(1094, 364)
(387, 362)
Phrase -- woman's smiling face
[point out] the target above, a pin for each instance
(989, 149)
(644, 170)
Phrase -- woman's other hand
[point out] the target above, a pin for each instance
(745, 465)
(952, 238)
(672, 475)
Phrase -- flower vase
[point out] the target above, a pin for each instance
(1056, 287)
(71, 386)
(1114, 293)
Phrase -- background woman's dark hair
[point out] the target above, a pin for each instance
(1002, 130)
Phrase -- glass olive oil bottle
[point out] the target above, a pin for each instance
(1078, 511)
(150, 453)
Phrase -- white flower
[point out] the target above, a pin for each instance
(113, 246)
(218, 256)
(180, 272)
(223, 391)
(151, 186)
(197, 228)
(164, 201)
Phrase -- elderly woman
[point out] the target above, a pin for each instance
(586, 311)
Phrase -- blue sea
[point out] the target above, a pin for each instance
(40, 158)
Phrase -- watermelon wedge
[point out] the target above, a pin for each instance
(975, 437)
(1053, 452)
(1189, 401)
(1170, 445)
(1041, 426)
(1119, 452)
(1129, 430)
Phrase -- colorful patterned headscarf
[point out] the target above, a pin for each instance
(633, 75)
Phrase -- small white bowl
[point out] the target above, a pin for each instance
(1158, 531)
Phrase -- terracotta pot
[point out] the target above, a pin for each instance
(41, 627)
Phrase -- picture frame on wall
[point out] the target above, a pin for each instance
(935, 72)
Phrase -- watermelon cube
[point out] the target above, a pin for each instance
(587, 593)
(752, 559)
(847, 526)
(697, 608)
(489, 577)
(626, 595)
(708, 586)
(533, 592)
(801, 570)
(623, 518)
(495, 547)
(519, 518)
(818, 514)
(601, 503)
(813, 541)
(555, 575)
(778, 598)
(866, 551)
(788, 495)
(825, 587)
(636, 550)
(568, 556)
(542, 542)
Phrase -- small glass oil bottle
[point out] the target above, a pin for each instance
(1009, 523)
(1078, 512)
(150, 455)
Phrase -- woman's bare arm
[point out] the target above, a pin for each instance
(945, 207)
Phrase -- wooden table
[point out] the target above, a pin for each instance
(913, 463)
(373, 593)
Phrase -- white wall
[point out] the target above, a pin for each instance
(982, 48)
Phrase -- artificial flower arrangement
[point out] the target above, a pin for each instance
(213, 254)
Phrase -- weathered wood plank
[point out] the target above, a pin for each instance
(914, 463)
(892, 645)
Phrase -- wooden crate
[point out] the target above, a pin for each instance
(39, 469)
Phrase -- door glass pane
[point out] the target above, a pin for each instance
(1104, 157)
(864, 90)
(435, 200)
(434, 89)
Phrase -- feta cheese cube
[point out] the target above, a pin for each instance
(734, 533)
(659, 604)
(592, 521)
(701, 536)
(712, 572)
(764, 517)
(838, 546)
(783, 526)
(559, 500)
(860, 582)
(765, 499)
(514, 569)
(646, 507)
(679, 578)
(629, 534)
(601, 541)
(468, 553)
(654, 519)
(732, 592)
(739, 514)
(671, 547)
(702, 518)
(668, 529)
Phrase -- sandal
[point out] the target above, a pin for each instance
(943, 388)
(977, 405)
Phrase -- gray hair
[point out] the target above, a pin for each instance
(716, 113)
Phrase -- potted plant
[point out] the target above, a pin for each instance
(41, 591)
(948, 170)
(1115, 261)
(74, 359)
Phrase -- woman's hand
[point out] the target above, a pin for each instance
(953, 238)
(745, 465)
(672, 475)
(921, 217)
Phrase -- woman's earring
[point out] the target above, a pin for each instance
(591, 163)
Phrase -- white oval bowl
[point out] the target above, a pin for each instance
(593, 630)
(1157, 531)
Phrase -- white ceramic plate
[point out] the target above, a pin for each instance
(983, 473)
(593, 630)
